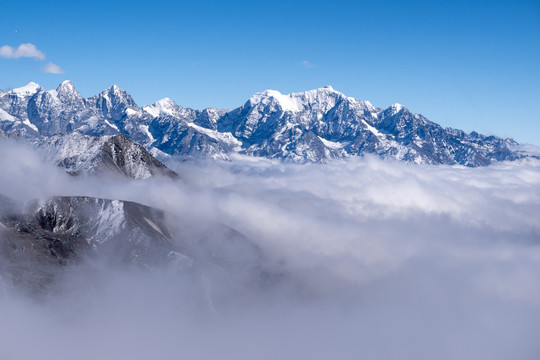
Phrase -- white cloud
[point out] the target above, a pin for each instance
(51, 68)
(27, 50)
(308, 65)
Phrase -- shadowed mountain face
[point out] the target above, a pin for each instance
(43, 240)
(311, 126)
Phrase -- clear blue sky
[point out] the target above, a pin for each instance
(473, 65)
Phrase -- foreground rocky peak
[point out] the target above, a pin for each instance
(45, 239)
(42, 239)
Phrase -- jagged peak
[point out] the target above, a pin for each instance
(66, 89)
(328, 91)
(116, 90)
(66, 84)
(395, 108)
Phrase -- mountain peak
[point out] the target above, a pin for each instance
(66, 92)
(116, 92)
(295, 102)
(28, 89)
(115, 89)
(66, 87)
(66, 84)
(286, 102)
(327, 90)
(162, 106)
(396, 108)
(165, 102)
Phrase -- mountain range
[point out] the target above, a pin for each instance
(310, 126)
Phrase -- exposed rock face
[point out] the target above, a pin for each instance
(45, 237)
(44, 240)
(311, 126)
(116, 154)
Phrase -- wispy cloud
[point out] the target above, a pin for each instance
(51, 68)
(27, 50)
(308, 65)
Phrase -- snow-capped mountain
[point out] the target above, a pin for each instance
(115, 154)
(323, 123)
(312, 126)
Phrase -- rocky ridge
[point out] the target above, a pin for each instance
(310, 126)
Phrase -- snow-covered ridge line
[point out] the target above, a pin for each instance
(314, 126)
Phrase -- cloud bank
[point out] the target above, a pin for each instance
(379, 260)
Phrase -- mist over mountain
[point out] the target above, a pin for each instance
(328, 233)
(361, 257)
(311, 126)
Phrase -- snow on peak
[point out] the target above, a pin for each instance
(295, 102)
(286, 102)
(164, 106)
(165, 102)
(66, 89)
(116, 90)
(320, 94)
(66, 85)
(395, 108)
(28, 89)
(115, 95)
(326, 89)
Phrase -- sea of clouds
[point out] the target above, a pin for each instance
(374, 260)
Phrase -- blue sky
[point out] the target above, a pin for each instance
(473, 65)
